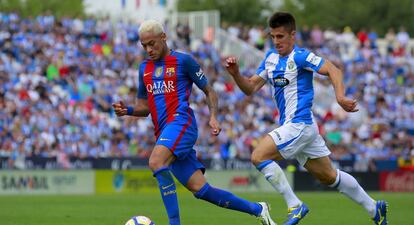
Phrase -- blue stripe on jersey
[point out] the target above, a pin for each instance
(142, 92)
(279, 93)
(305, 98)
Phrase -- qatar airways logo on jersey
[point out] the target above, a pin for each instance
(161, 87)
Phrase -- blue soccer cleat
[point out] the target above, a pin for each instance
(295, 214)
(381, 209)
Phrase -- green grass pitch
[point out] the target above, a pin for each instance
(328, 208)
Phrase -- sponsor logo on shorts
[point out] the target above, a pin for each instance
(278, 135)
(164, 139)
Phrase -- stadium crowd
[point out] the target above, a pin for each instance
(59, 77)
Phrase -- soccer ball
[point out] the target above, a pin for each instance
(139, 220)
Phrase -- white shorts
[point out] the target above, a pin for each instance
(299, 141)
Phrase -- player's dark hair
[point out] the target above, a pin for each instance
(283, 19)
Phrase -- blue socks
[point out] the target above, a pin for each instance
(213, 195)
(168, 194)
(228, 200)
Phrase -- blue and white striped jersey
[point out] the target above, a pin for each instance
(292, 80)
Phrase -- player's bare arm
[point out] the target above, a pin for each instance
(336, 76)
(249, 85)
(212, 102)
(140, 109)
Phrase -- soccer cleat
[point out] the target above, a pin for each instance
(295, 214)
(381, 209)
(264, 216)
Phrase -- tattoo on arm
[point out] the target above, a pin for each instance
(212, 100)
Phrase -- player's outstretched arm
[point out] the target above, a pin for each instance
(212, 102)
(249, 85)
(140, 109)
(336, 76)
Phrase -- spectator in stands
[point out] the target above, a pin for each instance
(316, 36)
(306, 36)
(403, 37)
(57, 81)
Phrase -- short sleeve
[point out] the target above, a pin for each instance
(261, 70)
(195, 72)
(142, 91)
(308, 60)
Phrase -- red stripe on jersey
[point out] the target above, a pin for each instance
(148, 71)
(170, 79)
(182, 131)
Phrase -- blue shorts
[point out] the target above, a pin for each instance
(183, 169)
(180, 138)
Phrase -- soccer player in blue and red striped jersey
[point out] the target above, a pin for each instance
(165, 84)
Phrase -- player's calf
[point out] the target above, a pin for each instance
(227, 199)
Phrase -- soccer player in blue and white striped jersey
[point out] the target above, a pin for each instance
(289, 69)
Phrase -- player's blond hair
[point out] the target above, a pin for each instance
(151, 26)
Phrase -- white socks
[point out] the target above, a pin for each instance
(274, 174)
(344, 182)
(347, 185)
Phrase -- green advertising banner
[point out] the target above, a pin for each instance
(126, 181)
(46, 182)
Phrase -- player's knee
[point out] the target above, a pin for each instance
(256, 158)
(327, 178)
(196, 182)
(155, 164)
(194, 187)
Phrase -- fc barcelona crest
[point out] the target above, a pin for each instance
(158, 71)
(170, 72)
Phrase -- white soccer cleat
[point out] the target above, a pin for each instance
(264, 216)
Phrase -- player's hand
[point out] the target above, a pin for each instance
(215, 126)
(120, 108)
(349, 105)
(232, 66)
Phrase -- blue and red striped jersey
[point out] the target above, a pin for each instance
(167, 85)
